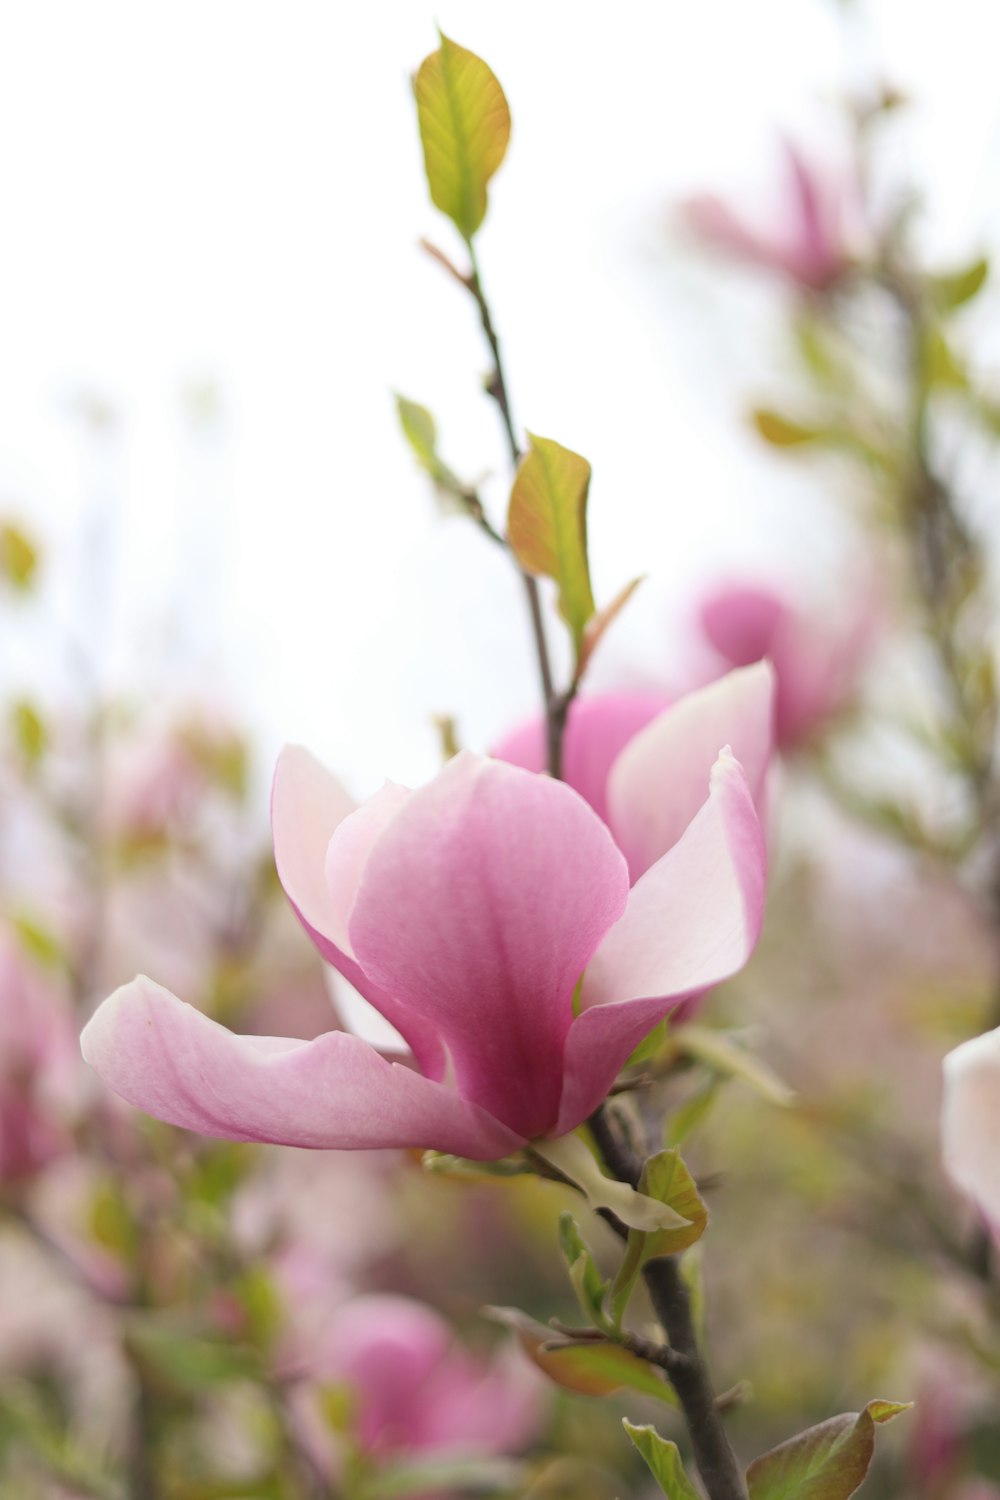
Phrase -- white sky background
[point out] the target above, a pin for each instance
(224, 191)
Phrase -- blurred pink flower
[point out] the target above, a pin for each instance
(642, 763)
(970, 1122)
(39, 1073)
(809, 244)
(415, 1391)
(488, 918)
(817, 659)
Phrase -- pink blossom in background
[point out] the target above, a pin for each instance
(808, 244)
(470, 914)
(817, 659)
(970, 1122)
(642, 763)
(39, 1075)
(416, 1391)
(597, 731)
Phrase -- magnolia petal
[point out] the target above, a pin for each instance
(167, 1058)
(479, 907)
(597, 730)
(658, 782)
(691, 921)
(970, 1121)
(348, 849)
(308, 805)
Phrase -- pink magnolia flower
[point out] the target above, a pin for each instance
(488, 917)
(809, 246)
(39, 1065)
(642, 762)
(817, 660)
(970, 1121)
(416, 1391)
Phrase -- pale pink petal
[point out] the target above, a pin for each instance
(170, 1060)
(818, 255)
(347, 852)
(714, 222)
(597, 730)
(970, 1121)
(479, 907)
(308, 805)
(658, 782)
(691, 921)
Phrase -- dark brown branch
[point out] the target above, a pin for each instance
(685, 1366)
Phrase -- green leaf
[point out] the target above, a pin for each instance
(958, 287)
(827, 1462)
(547, 526)
(189, 1361)
(782, 432)
(39, 940)
(18, 557)
(420, 431)
(111, 1220)
(588, 1283)
(726, 1056)
(30, 733)
(665, 1178)
(464, 129)
(588, 1369)
(663, 1460)
(572, 1158)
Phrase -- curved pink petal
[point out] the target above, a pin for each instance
(167, 1058)
(970, 1121)
(691, 921)
(597, 730)
(658, 782)
(308, 805)
(479, 908)
(713, 221)
(347, 852)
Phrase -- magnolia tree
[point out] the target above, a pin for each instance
(540, 926)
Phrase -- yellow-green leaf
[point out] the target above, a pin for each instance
(464, 129)
(663, 1460)
(30, 733)
(547, 526)
(724, 1055)
(827, 1462)
(588, 1369)
(18, 557)
(588, 1284)
(958, 287)
(665, 1178)
(782, 432)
